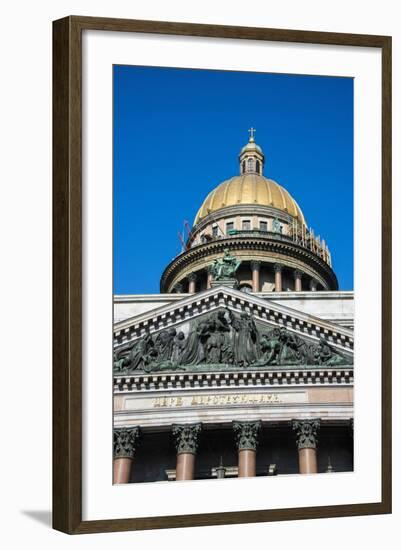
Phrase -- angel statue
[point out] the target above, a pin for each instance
(225, 267)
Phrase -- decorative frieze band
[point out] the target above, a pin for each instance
(125, 441)
(276, 377)
(246, 434)
(186, 437)
(306, 433)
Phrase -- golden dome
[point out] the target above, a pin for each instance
(250, 189)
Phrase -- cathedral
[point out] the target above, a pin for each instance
(243, 364)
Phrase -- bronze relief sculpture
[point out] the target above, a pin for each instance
(223, 339)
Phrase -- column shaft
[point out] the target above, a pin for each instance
(307, 461)
(209, 281)
(278, 280)
(298, 280)
(246, 463)
(185, 467)
(192, 283)
(122, 470)
(255, 266)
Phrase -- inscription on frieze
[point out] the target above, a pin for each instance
(215, 400)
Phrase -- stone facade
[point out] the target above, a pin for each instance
(273, 396)
(243, 365)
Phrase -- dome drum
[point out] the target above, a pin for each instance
(289, 255)
(262, 224)
(234, 218)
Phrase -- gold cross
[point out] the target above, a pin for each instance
(251, 132)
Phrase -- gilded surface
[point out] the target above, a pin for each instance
(250, 189)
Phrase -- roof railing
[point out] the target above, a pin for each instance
(298, 234)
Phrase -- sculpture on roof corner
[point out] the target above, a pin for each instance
(224, 268)
(223, 340)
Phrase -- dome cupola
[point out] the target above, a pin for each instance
(261, 225)
(251, 157)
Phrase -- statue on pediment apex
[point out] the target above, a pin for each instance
(225, 267)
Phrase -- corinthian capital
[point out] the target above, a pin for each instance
(186, 437)
(125, 441)
(246, 434)
(306, 433)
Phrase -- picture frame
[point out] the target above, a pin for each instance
(68, 261)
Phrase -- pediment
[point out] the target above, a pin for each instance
(267, 316)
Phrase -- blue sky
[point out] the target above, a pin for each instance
(177, 135)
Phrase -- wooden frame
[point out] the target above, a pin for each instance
(67, 262)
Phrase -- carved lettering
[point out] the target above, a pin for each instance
(223, 400)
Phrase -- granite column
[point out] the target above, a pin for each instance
(186, 442)
(192, 283)
(298, 280)
(246, 436)
(125, 441)
(306, 438)
(255, 266)
(278, 278)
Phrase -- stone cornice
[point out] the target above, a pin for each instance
(321, 295)
(279, 245)
(297, 376)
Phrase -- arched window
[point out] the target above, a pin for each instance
(243, 166)
(258, 167)
(251, 165)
